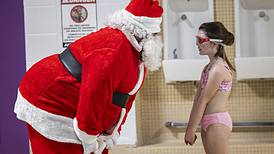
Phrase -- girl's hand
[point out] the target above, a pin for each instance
(190, 138)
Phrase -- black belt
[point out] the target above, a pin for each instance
(75, 69)
(71, 64)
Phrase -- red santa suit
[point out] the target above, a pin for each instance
(68, 116)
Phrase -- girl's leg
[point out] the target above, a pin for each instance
(203, 135)
(217, 136)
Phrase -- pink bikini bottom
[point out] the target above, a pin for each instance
(216, 118)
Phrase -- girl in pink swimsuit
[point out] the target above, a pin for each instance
(214, 88)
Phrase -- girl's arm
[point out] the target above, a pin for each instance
(204, 96)
(198, 92)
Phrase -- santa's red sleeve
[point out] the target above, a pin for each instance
(130, 103)
(101, 73)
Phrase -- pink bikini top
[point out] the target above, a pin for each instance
(224, 86)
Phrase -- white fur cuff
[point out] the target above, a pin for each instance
(125, 18)
(83, 136)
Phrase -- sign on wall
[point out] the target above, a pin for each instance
(79, 18)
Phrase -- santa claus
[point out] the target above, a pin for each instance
(76, 101)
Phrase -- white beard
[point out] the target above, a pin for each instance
(152, 54)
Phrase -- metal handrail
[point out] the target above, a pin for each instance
(171, 124)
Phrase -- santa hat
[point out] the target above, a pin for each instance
(144, 14)
(140, 18)
(145, 8)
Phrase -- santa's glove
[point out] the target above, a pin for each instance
(101, 147)
(97, 148)
(90, 143)
(110, 140)
(89, 148)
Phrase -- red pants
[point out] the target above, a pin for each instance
(43, 145)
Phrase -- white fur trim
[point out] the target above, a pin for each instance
(140, 79)
(132, 40)
(89, 142)
(122, 115)
(52, 126)
(83, 136)
(134, 26)
(150, 25)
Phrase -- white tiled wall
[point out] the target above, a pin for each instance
(46, 15)
(43, 35)
(42, 29)
(39, 2)
(41, 45)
